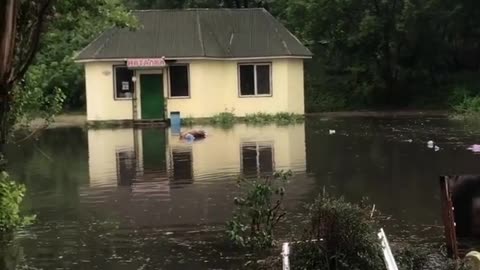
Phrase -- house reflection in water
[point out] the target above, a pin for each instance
(257, 159)
(126, 156)
(149, 176)
(181, 165)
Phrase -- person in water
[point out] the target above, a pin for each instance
(193, 135)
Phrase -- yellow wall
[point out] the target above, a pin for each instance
(213, 89)
(103, 146)
(101, 104)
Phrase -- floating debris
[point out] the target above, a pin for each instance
(409, 140)
(430, 144)
(437, 148)
(331, 131)
(474, 148)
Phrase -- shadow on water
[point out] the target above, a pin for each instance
(144, 199)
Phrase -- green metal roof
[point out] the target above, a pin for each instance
(215, 33)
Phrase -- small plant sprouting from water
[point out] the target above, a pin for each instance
(468, 107)
(284, 118)
(224, 119)
(281, 118)
(465, 103)
(11, 197)
(259, 118)
(188, 121)
(258, 210)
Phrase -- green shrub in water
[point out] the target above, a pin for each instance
(188, 121)
(284, 118)
(281, 118)
(258, 210)
(464, 103)
(11, 197)
(259, 118)
(339, 235)
(225, 119)
(411, 258)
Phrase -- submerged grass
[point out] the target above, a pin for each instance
(259, 118)
(228, 119)
(465, 104)
(188, 121)
(224, 119)
(281, 118)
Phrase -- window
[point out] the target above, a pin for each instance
(126, 167)
(255, 80)
(182, 166)
(179, 86)
(257, 159)
(123, 82)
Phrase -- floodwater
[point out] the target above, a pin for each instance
(143, 199)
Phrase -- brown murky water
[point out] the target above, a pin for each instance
(143, 199)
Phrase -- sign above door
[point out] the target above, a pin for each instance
(146, 62)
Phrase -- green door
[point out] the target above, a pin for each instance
(154, 149)
(151, 92)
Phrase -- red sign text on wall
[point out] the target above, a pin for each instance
(146, 62)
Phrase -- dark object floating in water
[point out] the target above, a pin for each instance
(193, 135)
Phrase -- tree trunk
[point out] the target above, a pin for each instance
(8, 18)
(4, 121)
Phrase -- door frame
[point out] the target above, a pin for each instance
(138, 93)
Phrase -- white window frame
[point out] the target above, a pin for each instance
(170, 80)
(115, 97)
(255, 79)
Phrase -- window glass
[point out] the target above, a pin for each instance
(182, 166)
(263, 79)
(179, 81)
(247, 80)
(257, 159)
(123, 82)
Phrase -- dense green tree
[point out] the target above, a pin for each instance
(376, 52)
(368, 53)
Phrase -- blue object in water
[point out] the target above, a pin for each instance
(189, 137)
(175, 122)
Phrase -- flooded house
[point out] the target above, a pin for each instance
(196, 62)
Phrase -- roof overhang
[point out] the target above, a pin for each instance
(198, 58)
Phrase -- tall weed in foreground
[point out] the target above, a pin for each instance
(339, 235)
(258, 210)
(11, 197)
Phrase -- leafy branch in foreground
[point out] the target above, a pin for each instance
(11, 197)
(258, 210)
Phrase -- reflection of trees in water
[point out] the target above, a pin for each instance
(11, 254)
(56, 162)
